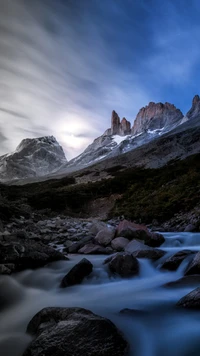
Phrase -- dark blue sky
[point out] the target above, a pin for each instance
(66, 64)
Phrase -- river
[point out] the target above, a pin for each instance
(158, 330)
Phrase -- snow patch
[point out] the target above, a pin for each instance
(118, 139)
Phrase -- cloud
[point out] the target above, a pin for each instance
(65, 65)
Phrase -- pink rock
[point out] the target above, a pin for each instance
(156, 116)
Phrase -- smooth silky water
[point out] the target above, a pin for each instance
(160, 330)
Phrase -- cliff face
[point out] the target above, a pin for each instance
(156, 116)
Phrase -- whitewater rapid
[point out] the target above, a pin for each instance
(159, 330)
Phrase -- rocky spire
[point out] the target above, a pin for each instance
(115, 123)
(195, 109)
(119, 128)
(125, 127)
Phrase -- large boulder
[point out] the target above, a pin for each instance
(73, 331)
(124, 265)
(77, 273)
(132, 231)
(97, 226)
(92, 249)
(119, 243)
(140, 250)
(194, 265)
(173, 262)
(105, 236)
(191, 300)
(19, 254)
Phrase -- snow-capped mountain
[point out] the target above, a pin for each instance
(152, 121)
(32, 158)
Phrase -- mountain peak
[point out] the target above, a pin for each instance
(196, 99)
(156, 116)
(195, 109)
(33, 157)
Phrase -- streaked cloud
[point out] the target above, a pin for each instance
(65, 65)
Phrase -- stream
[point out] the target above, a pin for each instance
(158, 330)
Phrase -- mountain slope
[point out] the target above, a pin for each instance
(32, 158)
(151, 122)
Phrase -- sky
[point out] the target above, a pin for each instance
(66, 64)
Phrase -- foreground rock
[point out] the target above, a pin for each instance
(73, 331)
(124, 265)
(77, 273)
(173, 262)
(191, 300)
(140, 250)
(194, 266)
(132, 231)
(21, 254)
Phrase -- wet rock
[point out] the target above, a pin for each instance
(105, 236)
(76, 246)
(92, 249)
(77, 273)
(186, 281)
(153, 254)
(155, 240)
(131, 231)
(27, 254)
(74, 331)
(140, 250)
(119, 243)
(7, 268)
(124, 264)
(173, 262)
(191, 300)
(194, 266)
(190, 228)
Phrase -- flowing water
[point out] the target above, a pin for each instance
(158, 330)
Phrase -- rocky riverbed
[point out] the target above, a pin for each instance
(135, 289)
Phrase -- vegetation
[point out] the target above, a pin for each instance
(146, 194)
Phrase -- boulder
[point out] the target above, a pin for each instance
(119, 243)
(186, 281)
(173, 262)
(191, 300)
(77, 273)
(7, 268)
(96, 227)
(190, 228)
(194, 265)
(92, 249)
(79, 244)
(140, 250)
(105, 236)
(23, 254)
(74, 331)
(136, 245)
(153, 254)
(124, 264)
(131, 231)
